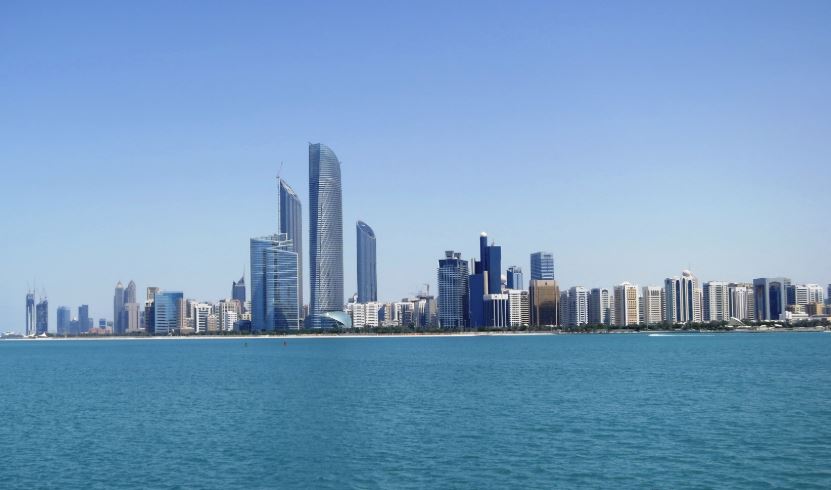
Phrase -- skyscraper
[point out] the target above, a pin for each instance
(770, 295)
(627, 305)
(64, 319)
(486, 279)
(578, 306)
(453, 291)
(42, 316)
(651, 305)
(238, 289)
(600, 307)
(544, 302)
(118, 308)
(130, 293)
(683, 298)
(167, 307)
(290, 222)
(84, 321)
(325, 239)
(515, 280)
(716, 301)
(367, 269)
(30, 313)
(274, 301)
(542, 266)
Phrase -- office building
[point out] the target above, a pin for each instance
(683, 298)
(515, 279)
(544, 302)
(652, 305)
(486, 279)
(200, 313)
(496, 310)
(30, 313)
(797, 294)
(815, 293)
(325, 239)
(627, 304)
(600, 307)
(367, 273)
(64, 319)
(167, 306)
(118, 308)
(452, 280)
(741, 301)
(84, 320)
(542, 266)
(132, 318)
(42, 317)
(578, 306)
(290, 223)
(238, 289)
(771, 297)
(274, 301)
(716, 301)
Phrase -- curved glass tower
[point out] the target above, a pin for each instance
(289, 222)
(367, 274)
(325, 238)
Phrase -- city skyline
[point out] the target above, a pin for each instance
(151, 179)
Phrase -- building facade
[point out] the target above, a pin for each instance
(600, 307)
(771, 297)
(514, 278)
(542, 266)
(274, 301)
(325, 239)
(290, 222)
(652, 305)
(716, 301)
(452, 279)
(683, 299)
(367, 265)
(544, 302)
(627, 304)
(167, 312)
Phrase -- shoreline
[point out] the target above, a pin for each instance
(414, 335)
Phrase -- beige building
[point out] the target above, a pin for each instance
(544, 299)
(627, 307)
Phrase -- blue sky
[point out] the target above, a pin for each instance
(632, 139)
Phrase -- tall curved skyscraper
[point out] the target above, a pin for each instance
(289, 221)
(325, 239)
(367, 273)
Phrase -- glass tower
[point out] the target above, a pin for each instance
(367, 273)
(167, 311)
(453, 291)
(274, 302)
(542, 266)
(290, 222)
(325, 239)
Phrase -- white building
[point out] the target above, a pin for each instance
(683, 299)
(627, 307)
(199, 313)
(742, 306)
(652, 305)
(578, 306)
(815, 293)
(600, 307)
(518, 308)
(716, 301)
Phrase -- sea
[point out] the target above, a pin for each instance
(732, 410)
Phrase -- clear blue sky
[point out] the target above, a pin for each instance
(141, 141)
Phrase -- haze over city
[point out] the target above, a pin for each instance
(143, 145)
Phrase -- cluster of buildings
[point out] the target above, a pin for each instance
(486, 298)
(472, 294)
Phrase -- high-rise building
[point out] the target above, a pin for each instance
(627, 305)
(132, 317)
(651, 305)
(452, 276)
(815, 293)
(367, 273)
(325, 239)
(200, 313)
(544, 302)
(740, 296)
(290, 222)
(771, 297)
(578, 306)
(130, 293)
(167, 306)
(64, 319)
(274, 301)
(30, 313)
(151, 293)
(496, 310)
(828, 296)
(238, 289)
(600, 307)
(515, 280)
(486, 279)
(118, 308)
(519, 308)
(797, 294)
(42, 317)
(716, 301)
(683, 298)
(542, 266)
(84, 320)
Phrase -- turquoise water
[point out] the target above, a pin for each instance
(593, 411)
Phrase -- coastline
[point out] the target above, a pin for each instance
(417, 335)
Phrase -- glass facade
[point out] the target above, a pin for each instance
(167, 311)
(367, 272)
(542, 266)
(325, 237)
(274, 300)
(64, 318)
(770, 297)
(290, 223)
(453, 291)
